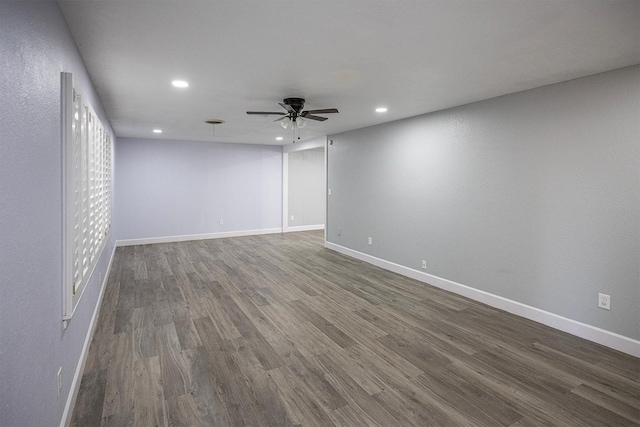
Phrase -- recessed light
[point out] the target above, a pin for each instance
(157, 131)
(180, 83)
(381, 110)
(279, 138)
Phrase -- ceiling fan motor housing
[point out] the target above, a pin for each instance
(296, 103)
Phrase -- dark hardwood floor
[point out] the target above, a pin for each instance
(275, 330)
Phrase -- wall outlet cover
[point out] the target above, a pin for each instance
(604, 301)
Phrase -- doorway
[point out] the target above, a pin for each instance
(304, 184)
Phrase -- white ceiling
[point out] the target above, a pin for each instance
(413, 57)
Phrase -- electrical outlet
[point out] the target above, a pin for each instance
(221, 222)
(424, 264)
(329, 191)
(370, 241)
(604, 301)
(339, 231)
(292, 217)
(59, 381)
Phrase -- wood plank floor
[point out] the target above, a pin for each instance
(275, 330)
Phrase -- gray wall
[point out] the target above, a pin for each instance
(306, 187)
(175, 188)
(35, 46)
(534, 196)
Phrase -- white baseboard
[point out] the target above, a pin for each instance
(609, 339)
(304, 228)
(77, 376)
(188, 237)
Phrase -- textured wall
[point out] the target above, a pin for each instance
(176, 188)
(306, 187)
(534, 196)
(35, 46)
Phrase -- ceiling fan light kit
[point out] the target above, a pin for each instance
(295, 123)
(294, 118)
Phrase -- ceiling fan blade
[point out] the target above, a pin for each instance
(312, 117)
(281, 118)
(324, 111)
(266, 112)
(287, 107)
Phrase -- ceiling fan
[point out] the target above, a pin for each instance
(294, 117)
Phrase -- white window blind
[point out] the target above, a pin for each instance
(87, 187)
